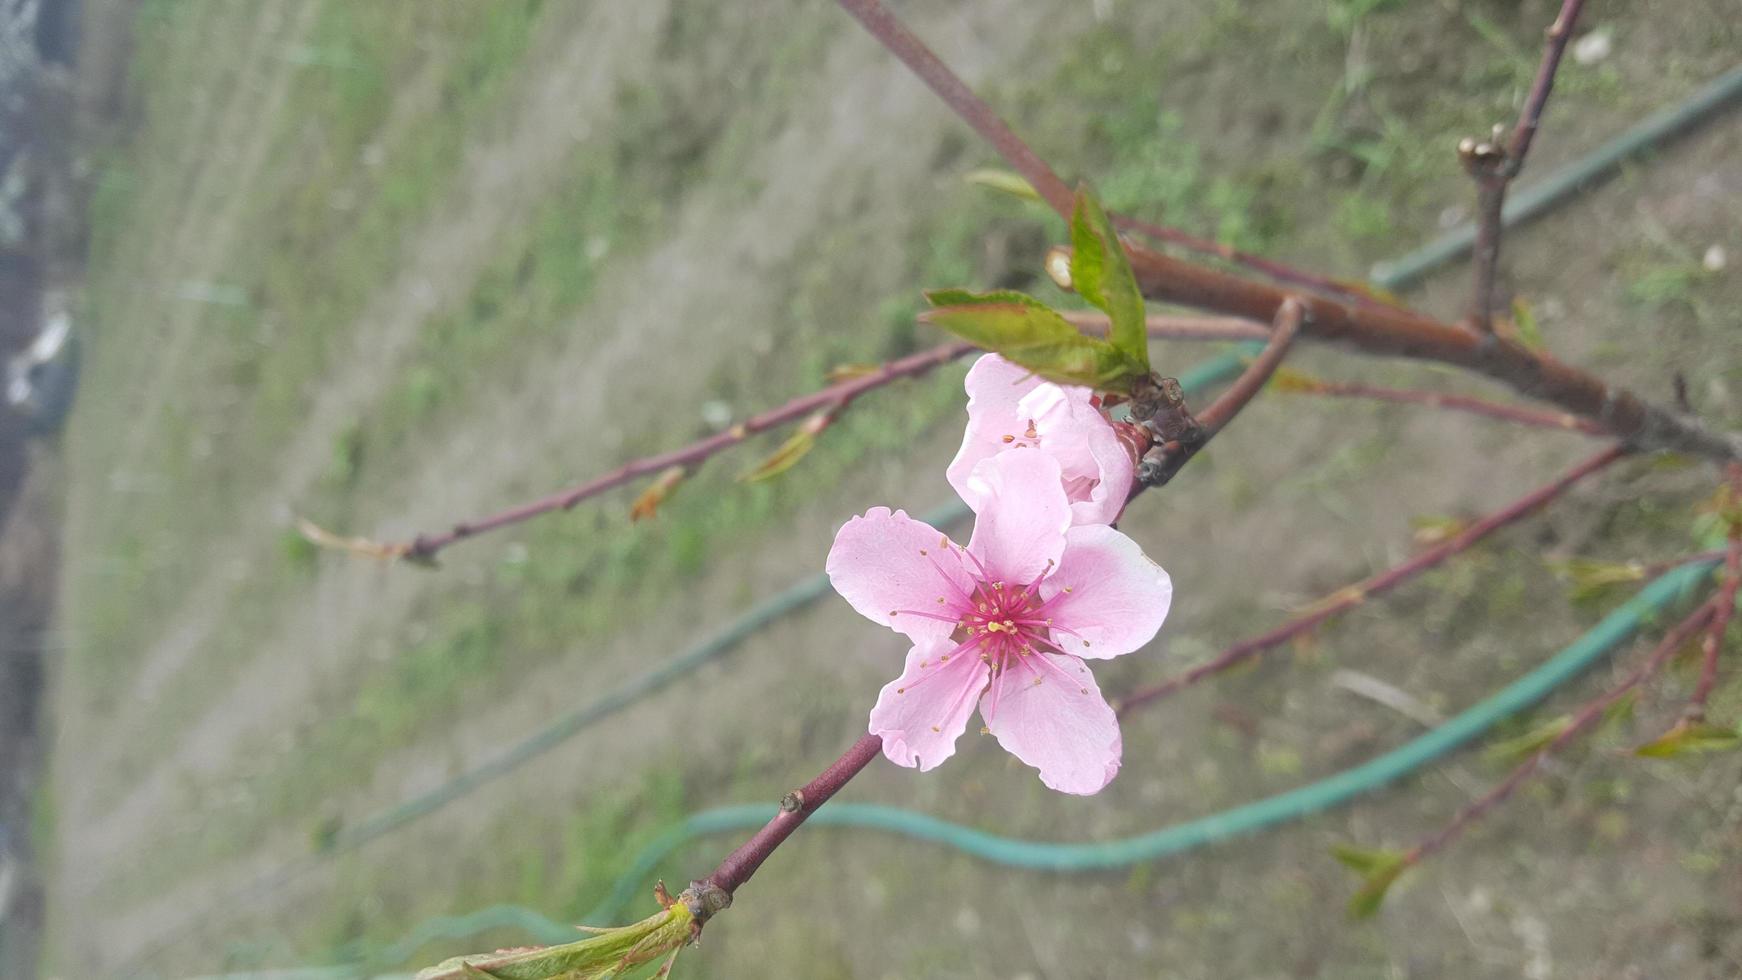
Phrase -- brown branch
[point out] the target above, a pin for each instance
(1374, 328)
(1435, 399)
(1714, 644)
(1530, 118)
(1494, 164)
(1163, 462)
(1583, 720)
(714, 893)
(1347, 292)
(1387, 331)
(1353, 595)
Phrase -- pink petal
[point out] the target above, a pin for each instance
(1047, 711)
(995, 388)
(1005, 401)
(921, 713)
(1020, 514)
(1118, 597)
(884, 562)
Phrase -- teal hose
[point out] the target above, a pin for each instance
(722, 641)
(1541, 195)
(1613, 630)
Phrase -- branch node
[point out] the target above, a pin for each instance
(792, 802)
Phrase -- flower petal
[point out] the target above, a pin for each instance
(886, 561)
(1047, 711)
(995, 388)
(1021, 514)
(1118, 597)
(1008, 407)
(922, 713)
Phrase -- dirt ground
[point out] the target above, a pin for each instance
(732, 206)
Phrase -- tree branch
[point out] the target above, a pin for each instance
(1583, 720)
(1493, 165)
(1353, 595)
(714, 893)
(1165, 460)
(1435, 399)
(675, 463)
(1714, 645)
(1392, 332)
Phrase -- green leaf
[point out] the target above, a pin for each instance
(1378, 868)
(1035, 337)
(795, 448)
(1101, 275)
(1524, 318)
(1531, 742)
(963, 297)
(1686, 736)
(1365, 860)
(607, 954)
(1003, 180)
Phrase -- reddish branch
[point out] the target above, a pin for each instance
(1165, 460)
(1587, 716)
(1460, 403)
(1351, 596)
(1275, 270)
(715, 891)
(832, 399)
(1370, 327)
(1714, 645)
(425, 546)
(1494, 164)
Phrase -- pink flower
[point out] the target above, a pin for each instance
(1004, 623)
(1009, 408)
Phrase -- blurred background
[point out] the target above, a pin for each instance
(386, 264)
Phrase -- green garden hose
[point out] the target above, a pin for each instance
(1541, 195)
(1613, 630)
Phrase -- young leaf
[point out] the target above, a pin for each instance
(1029, 334)
(1003, 180)
(1690, 736)
(1516, 748)
(1378, 869)
(1101, 275)
(608, 954)
(647, 502)
(795, 448)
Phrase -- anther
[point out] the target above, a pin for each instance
(936, 728)
(1009, 438)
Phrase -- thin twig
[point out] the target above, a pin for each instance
(1435, 399)
(676, 464)
(713, 893)
(1714, 644)
(1583, 720)
(1163, 462)
(1353, 595)
(1493, 165)
(425, 546)
(905, 45)
(1524, 132)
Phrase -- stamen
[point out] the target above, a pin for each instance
(923, 614)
